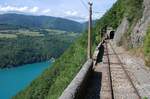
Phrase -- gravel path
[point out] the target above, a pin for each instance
(139, 73)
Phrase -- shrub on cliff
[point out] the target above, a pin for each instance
(147, 48)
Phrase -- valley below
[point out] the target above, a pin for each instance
(23, 46)
(29, 46)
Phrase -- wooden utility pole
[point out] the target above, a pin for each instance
(89, 50)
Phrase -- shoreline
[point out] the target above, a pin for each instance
(29, 63)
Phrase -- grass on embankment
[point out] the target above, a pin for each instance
(147, 48)
(55, 79)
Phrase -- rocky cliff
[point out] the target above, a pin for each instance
(140, 29)
(137, 29)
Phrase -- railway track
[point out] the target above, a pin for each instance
(121, 85)
(110, 78)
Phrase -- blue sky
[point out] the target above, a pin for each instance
(71, 9)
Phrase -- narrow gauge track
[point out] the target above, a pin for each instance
(122, 86)
(109, 71)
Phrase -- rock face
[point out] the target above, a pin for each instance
(139, 31)
(123, 27)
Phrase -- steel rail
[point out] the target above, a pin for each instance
(110, 76)
(128, 77)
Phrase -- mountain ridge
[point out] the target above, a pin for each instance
(41, 22)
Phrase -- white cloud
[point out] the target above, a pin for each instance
(13, 8)
(25, 9)
(30, 10)
(46, 11)
(71, 13)
(74, 15)
(34, 10)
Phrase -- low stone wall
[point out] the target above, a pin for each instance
(76, 89)
(96, 53)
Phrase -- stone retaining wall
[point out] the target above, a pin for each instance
(76, 89)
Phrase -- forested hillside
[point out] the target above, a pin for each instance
(132, 9)
(45, 22)
(24, 46)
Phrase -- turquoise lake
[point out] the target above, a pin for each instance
(15, 79)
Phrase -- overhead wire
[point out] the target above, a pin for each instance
(83, 3)
(86, 7)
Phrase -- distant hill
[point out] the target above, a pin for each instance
(48, 22)
(85, 24)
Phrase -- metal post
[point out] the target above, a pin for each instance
(89, 32)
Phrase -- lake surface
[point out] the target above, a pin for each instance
(15, 79)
